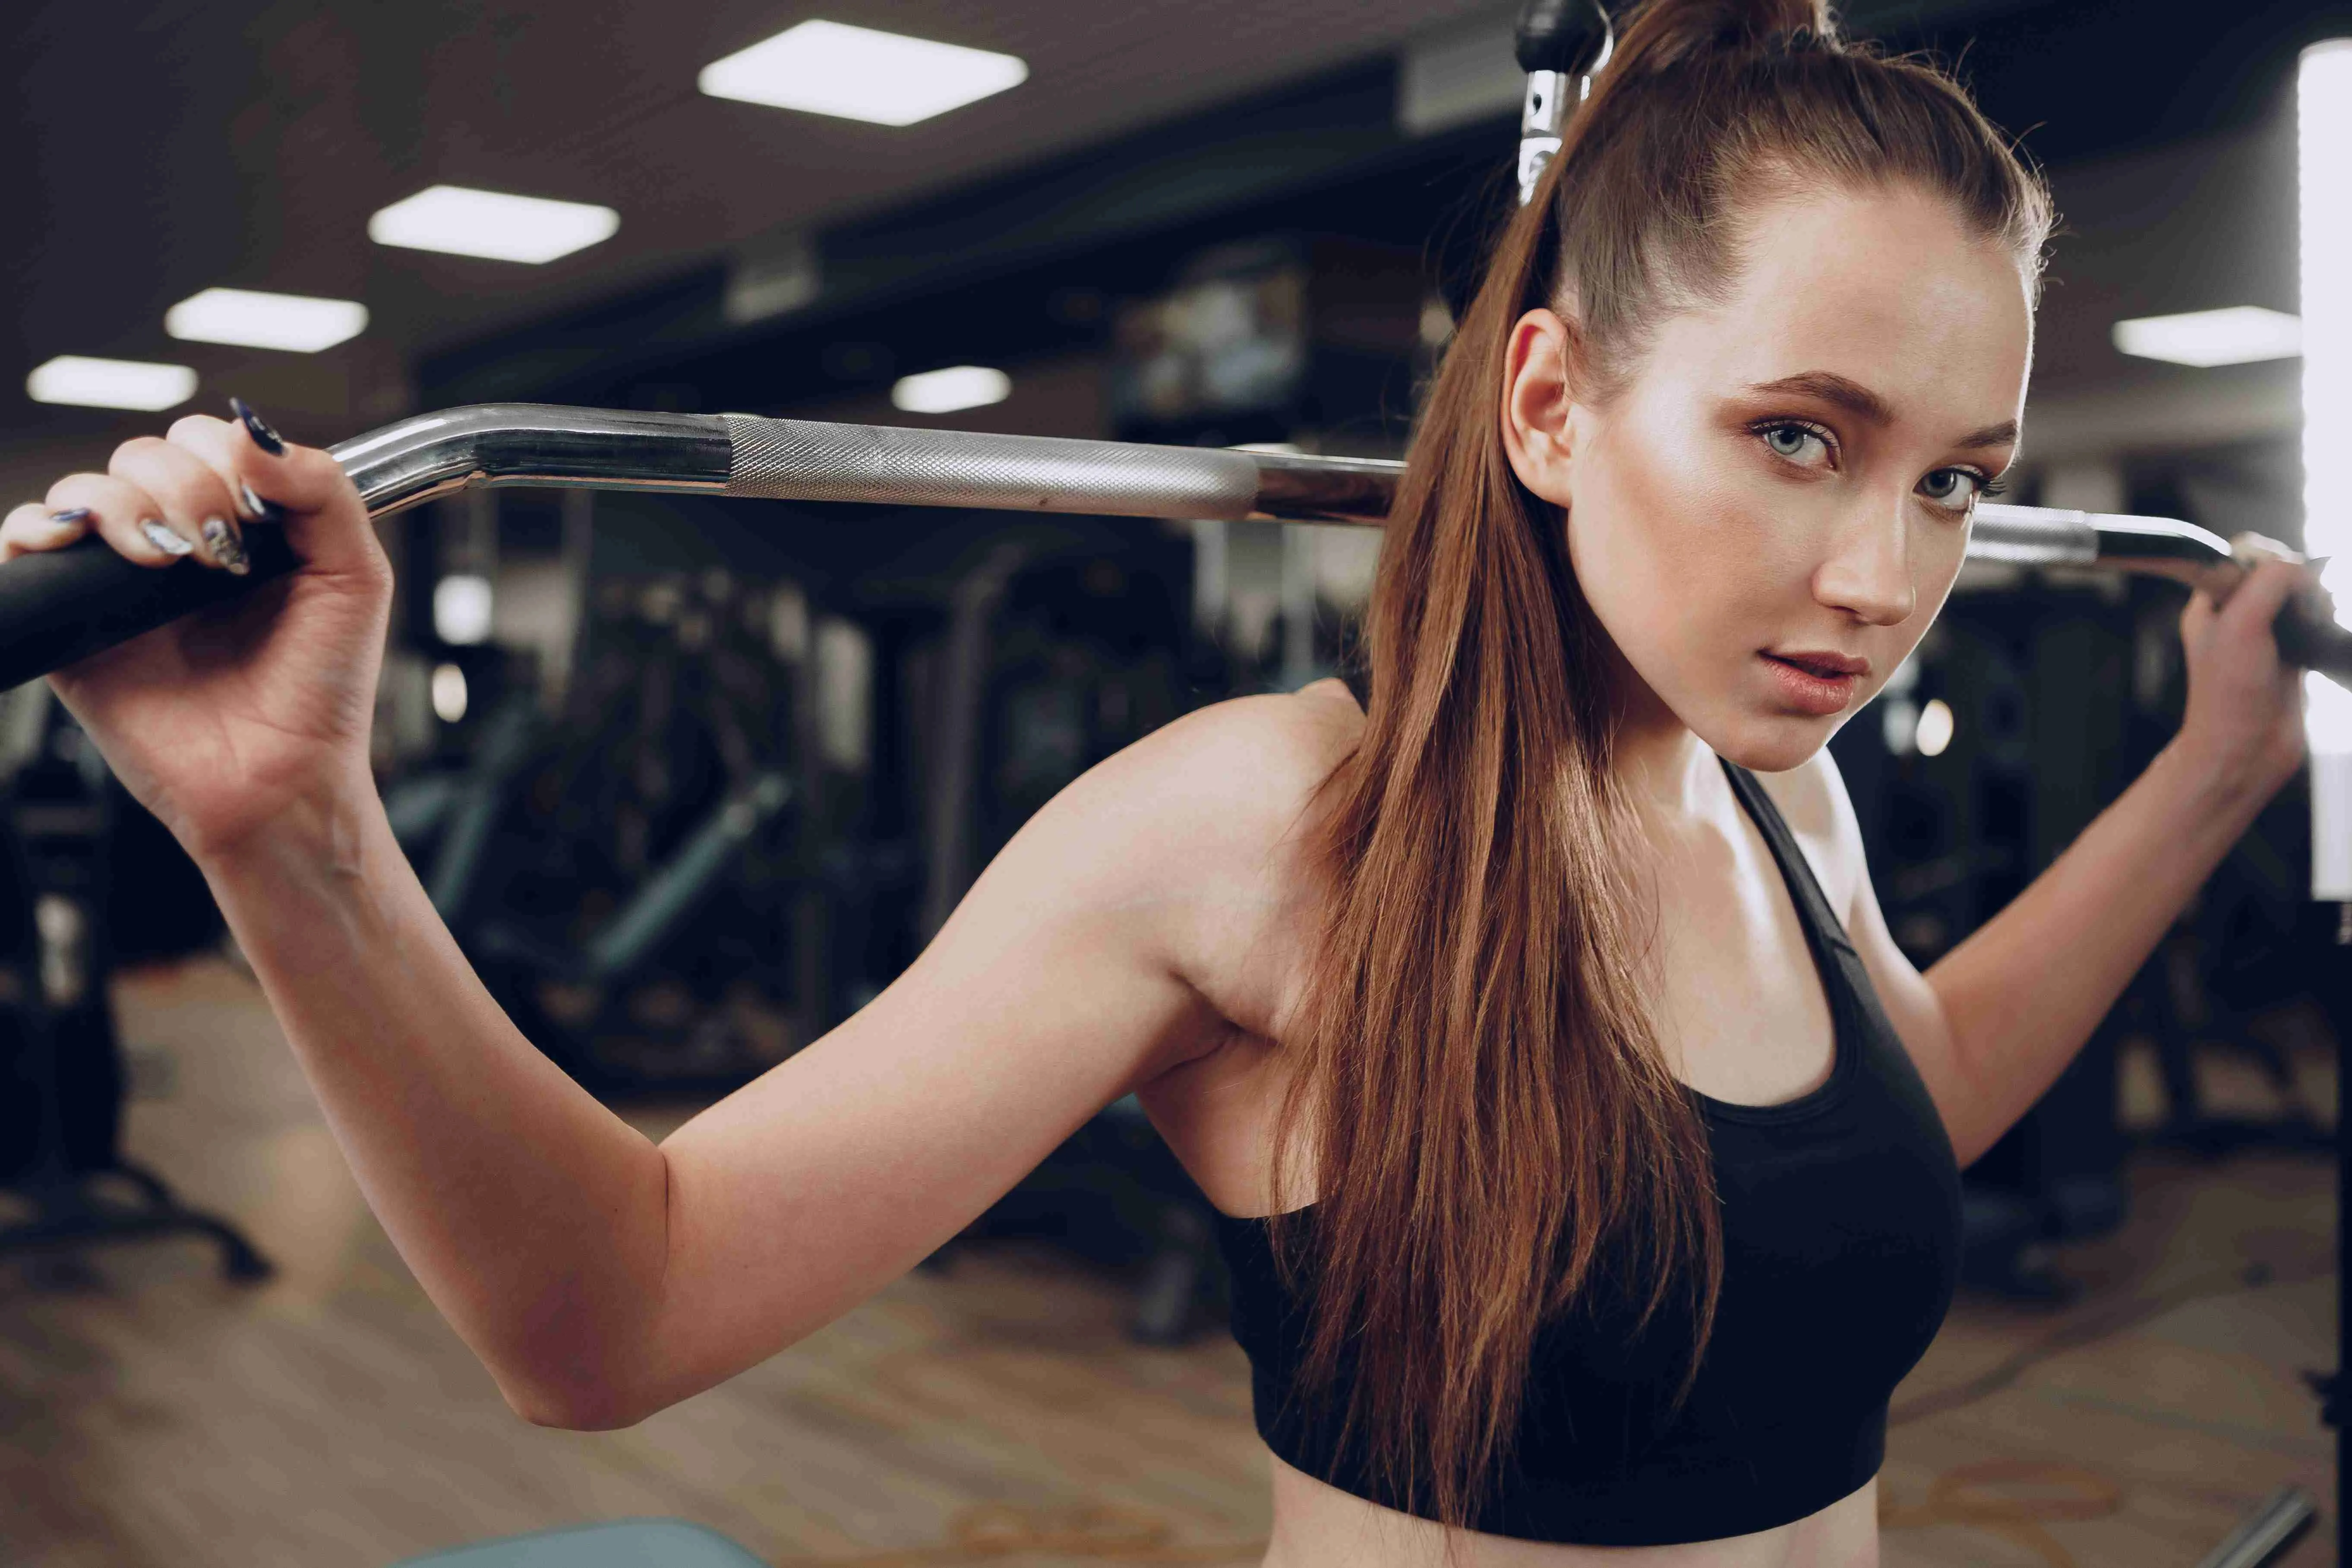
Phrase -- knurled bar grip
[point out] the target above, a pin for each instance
(59, 606)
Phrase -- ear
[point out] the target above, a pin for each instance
(1538, 400)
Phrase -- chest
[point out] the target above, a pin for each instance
(1737, 994)
(1741, 1005)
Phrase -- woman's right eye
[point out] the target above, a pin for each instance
(1800, 443)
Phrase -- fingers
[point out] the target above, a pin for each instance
(33, 527)
(2266, 588)
(274, 482)
(125, 516)
(195, 502)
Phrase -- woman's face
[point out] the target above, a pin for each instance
(1769, 512)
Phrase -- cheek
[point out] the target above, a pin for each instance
(1677, 558)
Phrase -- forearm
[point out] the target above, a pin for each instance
(2022, 994)
(535, 1218)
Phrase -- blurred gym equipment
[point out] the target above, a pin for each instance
(622, 876)
(60, 1065)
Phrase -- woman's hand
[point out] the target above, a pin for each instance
(2244, 717)
(222, 719)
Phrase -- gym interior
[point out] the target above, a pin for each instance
(691, 778)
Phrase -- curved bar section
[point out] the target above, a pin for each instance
(2163, 547)
(535, 444)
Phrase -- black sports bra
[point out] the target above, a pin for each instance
(1840, 1223)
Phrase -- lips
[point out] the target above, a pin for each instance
(1818, 684)
(1827, 665)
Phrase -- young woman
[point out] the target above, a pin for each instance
(1590, 1150)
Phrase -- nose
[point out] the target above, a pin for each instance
(1867, 573)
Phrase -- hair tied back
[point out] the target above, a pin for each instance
(1667, 34)
(1805, 40)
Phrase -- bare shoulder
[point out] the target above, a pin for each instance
(1813, 801)
(1249, 766)
(1205, 812)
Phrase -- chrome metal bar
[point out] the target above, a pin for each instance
(434, 455)
(1542, 115)
(1561, 45)
(2263, 1536)
(59, 606)
(2030, 536)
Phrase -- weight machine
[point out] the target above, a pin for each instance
(60, 1064)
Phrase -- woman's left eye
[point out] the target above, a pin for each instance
(1800, 444)
(1953, 489)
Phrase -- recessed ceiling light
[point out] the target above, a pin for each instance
(110, 383)
(2239, 335)
(463, 222)
(295, 322)
(887, 78)
(948, 391)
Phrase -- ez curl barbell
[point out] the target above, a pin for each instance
(61, 606)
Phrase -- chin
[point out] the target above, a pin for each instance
(1767, 742)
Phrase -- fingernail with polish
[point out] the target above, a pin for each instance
(227, 548)
(268, 440)
(258, 509)
(165, 540)
(71, 515)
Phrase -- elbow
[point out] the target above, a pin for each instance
(577, 1404)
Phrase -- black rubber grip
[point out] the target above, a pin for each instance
(1565, 36)
(2314, 641)
(59, 606)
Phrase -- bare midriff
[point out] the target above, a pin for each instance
(1317, 1526)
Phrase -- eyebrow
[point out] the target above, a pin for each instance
(1843, 391)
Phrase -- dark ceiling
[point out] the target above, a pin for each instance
(171, 145)
(168, 145)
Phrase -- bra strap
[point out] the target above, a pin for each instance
(1795, 869)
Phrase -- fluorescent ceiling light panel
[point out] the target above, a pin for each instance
(951, 390)
(295, 323)
(2239, 335)
(110, 383)
(459, 221)
(856, 73)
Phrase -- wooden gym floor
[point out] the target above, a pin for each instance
(151, 1414)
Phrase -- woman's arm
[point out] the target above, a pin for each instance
(598, 1277)
(601, 1278)
(1996, 1020)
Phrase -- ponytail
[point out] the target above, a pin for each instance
(1479, 1088)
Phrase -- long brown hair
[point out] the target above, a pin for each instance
(1491, 1123)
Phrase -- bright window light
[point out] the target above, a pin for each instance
(1934, 732)
(2324, 129)
(461, 610)
(295, 323)
(448, 692)
(2239, 335)
(948, 391)
(110, 383)
(856, 73)
(2327, 715)
(462, 222)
